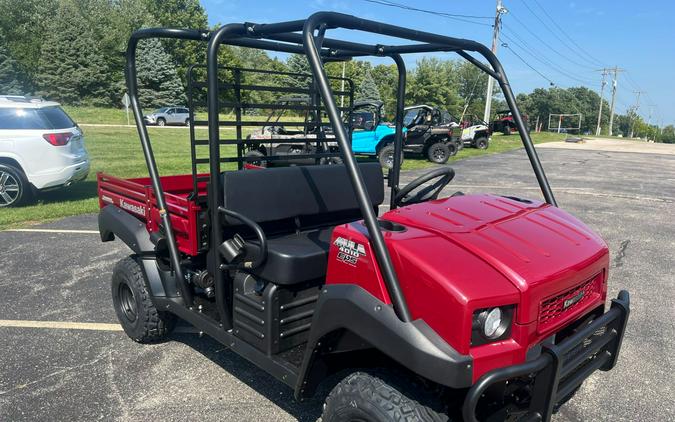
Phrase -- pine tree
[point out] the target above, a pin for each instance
(9, 77)
(297, 63)
(367, 90)
(158, 81)
(72, 67)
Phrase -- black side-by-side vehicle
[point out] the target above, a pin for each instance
(444, 307)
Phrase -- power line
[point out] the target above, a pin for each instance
(542, 59)
(556, 51)
(505, 45)
(581, 49)
(458, 17)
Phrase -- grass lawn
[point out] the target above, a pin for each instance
(116, 150)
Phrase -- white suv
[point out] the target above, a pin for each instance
(41, 147)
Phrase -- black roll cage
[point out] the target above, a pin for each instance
(308, 37)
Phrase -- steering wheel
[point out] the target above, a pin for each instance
(427, 193)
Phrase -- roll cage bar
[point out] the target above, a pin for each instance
(308, 37)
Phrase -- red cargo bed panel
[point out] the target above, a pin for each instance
(137, 198)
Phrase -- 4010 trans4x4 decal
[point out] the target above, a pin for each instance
(349, 251)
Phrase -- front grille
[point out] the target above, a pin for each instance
(554, 308)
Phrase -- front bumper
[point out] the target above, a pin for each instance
(563, 367)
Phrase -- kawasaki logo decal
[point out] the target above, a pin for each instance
(136, 209)
(574, 299)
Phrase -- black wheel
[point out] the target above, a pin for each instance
(254, 153)
(161, 122)
(139, 318)
(187, 122)
(14, 188)
(382, 397)
(439, 153)
(506, 130)
(386, 156)
(482, 143)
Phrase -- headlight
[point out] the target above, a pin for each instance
(491, 324)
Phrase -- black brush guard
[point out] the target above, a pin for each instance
(563, 367)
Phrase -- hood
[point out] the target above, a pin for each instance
(540, 249)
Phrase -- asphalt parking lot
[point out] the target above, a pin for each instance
(68, 370)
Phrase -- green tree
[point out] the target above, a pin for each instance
(667, 134)
(386, 79)
(433, 82)
(181, 14)
(159, 84)
(297, 63)
(368, 90)
(471, 88)
(9, 77)
(24, 24)
(72, 67)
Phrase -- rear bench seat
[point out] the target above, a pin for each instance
(297, 207)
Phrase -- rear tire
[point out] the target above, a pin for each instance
(161, 122)
(506, 130)
(482, 143)
(139, 318)
(376, 397)
(440, 152)
(187, 122)
(14, 188)
(386, 156)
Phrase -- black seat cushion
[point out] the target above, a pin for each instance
(297, 207)
(280, 193)
(297, 257)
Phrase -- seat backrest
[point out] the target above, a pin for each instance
(306, 195)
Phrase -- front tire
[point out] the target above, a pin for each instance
(386, 156)
(161, 122)
(254, 153)
(139, 318)
(14, 188)
(440, 152)
(384, 397)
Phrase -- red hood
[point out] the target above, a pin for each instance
(540, 249)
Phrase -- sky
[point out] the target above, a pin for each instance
(564, 42)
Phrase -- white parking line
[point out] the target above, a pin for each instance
(52, 231)
(66, 325)
(60, 324)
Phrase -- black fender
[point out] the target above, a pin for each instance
(387, 139)
(414, 345)
(113, 221)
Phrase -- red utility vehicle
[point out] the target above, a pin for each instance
(505, 123)
(474, 307)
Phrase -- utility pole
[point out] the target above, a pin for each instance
(637, 107)
(611, 113)
(649, 120)
(342, 86)
(602, 92)
(501, 10)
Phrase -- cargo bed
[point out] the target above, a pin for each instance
(137, 197)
